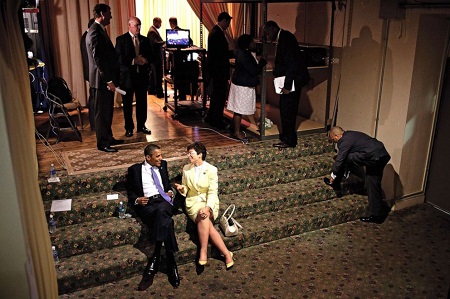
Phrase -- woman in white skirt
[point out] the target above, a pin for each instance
(242, 96)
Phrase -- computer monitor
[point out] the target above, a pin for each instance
(177, 38)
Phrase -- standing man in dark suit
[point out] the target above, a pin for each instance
(218, 64)
(184, 88)
(157, 43)
(103, 76)
(133, 50)
(150, 195)
(361, 154)
(290, 63)
(85, 59)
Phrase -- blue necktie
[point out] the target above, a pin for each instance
(160, 189)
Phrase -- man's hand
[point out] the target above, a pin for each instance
(142, 201)
(285, 91)
(111, 86)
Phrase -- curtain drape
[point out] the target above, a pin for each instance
(212, 10)
(20, 144)
(64, 21)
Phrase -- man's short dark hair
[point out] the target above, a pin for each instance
(99, 8)
(224, 16)
(173, 20)
(150, 149)
(272, 25)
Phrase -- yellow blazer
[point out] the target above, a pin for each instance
(204, 192)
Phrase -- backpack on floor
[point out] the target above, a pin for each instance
(58, 87)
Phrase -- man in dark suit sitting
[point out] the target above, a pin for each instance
(365, 156)
(133, 50)
(150, 195)
(103, 76)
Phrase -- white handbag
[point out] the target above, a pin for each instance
(229, 226)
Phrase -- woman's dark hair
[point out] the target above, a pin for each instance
(199, 148)
(244, 41)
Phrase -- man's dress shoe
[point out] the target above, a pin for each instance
(115, 142)
(146, 282)
(173, 276)
(373, 219)
(129, 133)
(336, 187)
(282, 145)
(144, 130)
(108, 149)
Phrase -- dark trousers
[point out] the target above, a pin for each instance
(91, 109)
(218, 99)
(374, 169)
(104, 109)
(155, 84)
(288, 117)
(141, 107)
(157, 215)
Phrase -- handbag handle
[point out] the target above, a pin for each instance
(232, 211)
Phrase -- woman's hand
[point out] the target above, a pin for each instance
(205, 212)
(180, 188)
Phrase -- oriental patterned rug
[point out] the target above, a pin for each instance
(92, 160)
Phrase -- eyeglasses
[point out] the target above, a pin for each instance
(191, 153)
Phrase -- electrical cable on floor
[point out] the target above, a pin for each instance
(243, 141)
(204, 128)
(46, 143)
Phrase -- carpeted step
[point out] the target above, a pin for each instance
(275, 173)
(83, 236)
(102, 266)
(95, 206)
(87, 208)
(223, 158)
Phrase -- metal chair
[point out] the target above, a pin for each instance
(60, 119)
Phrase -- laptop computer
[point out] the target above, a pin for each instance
(177, 39)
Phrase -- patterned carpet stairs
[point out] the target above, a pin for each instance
(277, 193)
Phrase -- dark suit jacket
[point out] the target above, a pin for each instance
(218, 54)
(289, 61)
(134, 182)
(103, 62)
(84, 56)
(156, 43)
(359, 149)
(246, 69)
(129, 78)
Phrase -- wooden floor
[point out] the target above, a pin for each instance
(189, 123)
(159, 122)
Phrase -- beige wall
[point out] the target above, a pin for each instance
(390, 69)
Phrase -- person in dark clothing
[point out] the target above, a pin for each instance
(361, 154)
(157, 43)
(133, 50)
(242, 97)
(184, 87)
(103, 76)
(150, 194)
(290, 63)
(85, 59)
(218, 66)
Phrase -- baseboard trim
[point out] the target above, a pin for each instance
(409, 201)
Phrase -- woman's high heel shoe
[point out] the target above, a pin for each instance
(230, 264)
(202, 263)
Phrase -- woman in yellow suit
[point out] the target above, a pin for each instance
(200, 185)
